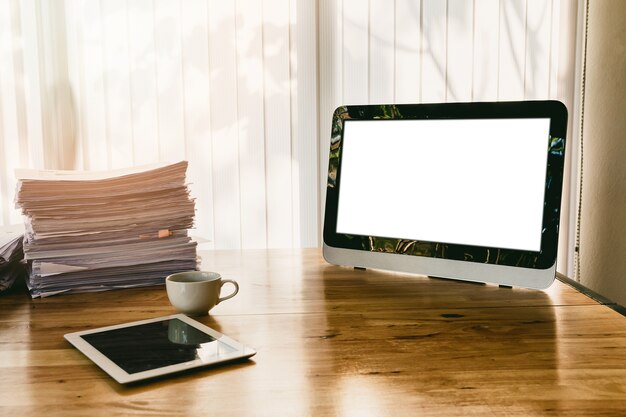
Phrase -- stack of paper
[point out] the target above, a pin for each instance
(11, 255)
(98, 231)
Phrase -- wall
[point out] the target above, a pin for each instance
(602, 261)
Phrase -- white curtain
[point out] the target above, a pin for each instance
(95, 85)
(244, 89)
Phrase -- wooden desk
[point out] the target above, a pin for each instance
(333, 341)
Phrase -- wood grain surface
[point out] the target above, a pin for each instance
(332, 341)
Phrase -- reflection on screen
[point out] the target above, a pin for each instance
(477, 182)
(155, 345)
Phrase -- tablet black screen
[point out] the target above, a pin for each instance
(154, 345)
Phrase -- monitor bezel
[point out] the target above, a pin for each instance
(487, 264)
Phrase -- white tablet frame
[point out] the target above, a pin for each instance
(240, 351)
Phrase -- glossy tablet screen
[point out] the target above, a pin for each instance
(145, 349)
(155, 345)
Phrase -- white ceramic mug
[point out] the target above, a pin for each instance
(195, 293)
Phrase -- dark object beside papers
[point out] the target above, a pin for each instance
(11, 256)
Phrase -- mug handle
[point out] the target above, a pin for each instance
(231, 295)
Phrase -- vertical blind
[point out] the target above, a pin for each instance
(245, 89)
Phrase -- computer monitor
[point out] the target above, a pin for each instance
(466, 191)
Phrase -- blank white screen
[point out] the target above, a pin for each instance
(475, 182)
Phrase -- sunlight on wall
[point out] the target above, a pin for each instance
(130, 83)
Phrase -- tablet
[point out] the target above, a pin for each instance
(146, 349)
